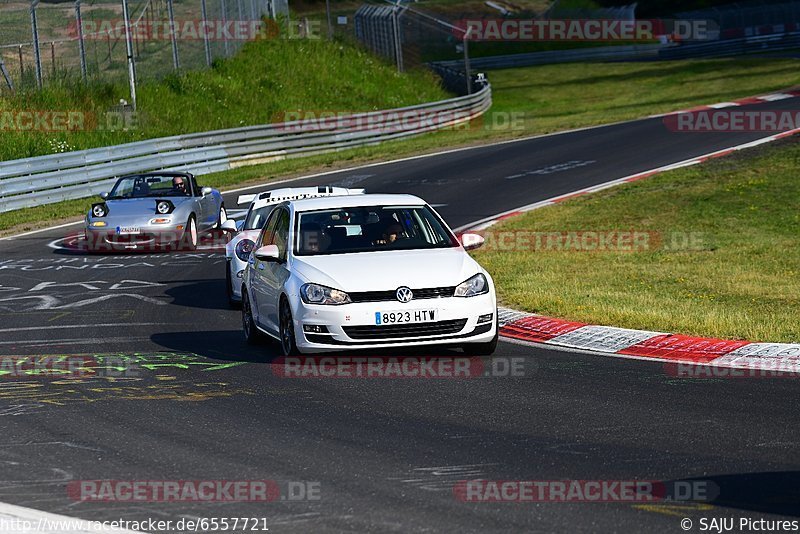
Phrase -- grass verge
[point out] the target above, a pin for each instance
(526, 102)
(722, 258)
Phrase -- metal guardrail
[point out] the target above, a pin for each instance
(599, 53)
(718, 48)
(47, 179)
(734, 47)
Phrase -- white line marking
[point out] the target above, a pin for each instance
(723, 105)
(486, 222)
(28, 520)
(59, 327)
(775, 97)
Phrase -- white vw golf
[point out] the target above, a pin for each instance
(365, 272)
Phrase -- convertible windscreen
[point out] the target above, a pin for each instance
(367, 229)
(151, 186)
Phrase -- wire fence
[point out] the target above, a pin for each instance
(43, 43)
(747, 19)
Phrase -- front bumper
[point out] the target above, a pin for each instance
(353, 326)
(150, 237)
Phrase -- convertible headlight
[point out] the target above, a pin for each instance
(99, 210)
(97, 224)
(477, 285)
(161, 220)
(244, 248)
(317, 294)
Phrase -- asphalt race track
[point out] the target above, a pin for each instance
(191, 401)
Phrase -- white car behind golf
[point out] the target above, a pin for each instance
(366, 272)
(245, 231)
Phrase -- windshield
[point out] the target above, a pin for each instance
(373, 228)
(151, 186)
(257, 217)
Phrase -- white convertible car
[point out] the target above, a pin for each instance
(365, 272)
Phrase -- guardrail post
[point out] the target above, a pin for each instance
(36, 52)
(81, 44)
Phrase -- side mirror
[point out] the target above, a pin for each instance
(268, 253)
(104, 196)
(206, 191)
(229, 226)
(471, 241)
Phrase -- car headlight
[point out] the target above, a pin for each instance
(317, 294)
(164, 207)
(99, 210)
(244, 248)
(477, 285)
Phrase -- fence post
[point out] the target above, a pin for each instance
(176, 62)
(6, 75)
(206, 43)
(53, 56)
(21, 64)
(398, 44)
(129, 52)
(36, 52)
(224, 10)
(81, 44)
(330, 22)
(467, 69)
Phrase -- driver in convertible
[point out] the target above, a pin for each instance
(179, 185)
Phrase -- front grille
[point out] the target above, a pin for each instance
(405, 330)
(131, 239)
(387, 296)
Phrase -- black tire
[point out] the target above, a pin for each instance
(483, 349)
(252, 335)
(190, 235)
(287, 339)
(233, 303)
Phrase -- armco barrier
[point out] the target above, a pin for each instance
(597, 53)
(758, 44)
(47, 179)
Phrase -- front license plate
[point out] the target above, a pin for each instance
(128, 230)
(410, 316)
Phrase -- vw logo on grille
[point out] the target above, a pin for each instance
(404, 294)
